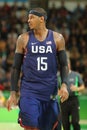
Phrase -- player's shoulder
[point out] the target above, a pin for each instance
(59, 40)
(23, 39)
(23, 35)
(57, 35)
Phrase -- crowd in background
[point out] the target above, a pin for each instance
(72, 24)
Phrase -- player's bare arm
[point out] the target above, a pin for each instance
(62, 58)
(77, 89)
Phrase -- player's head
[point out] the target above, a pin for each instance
(40, 12)
(36, 17)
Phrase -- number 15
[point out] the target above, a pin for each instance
(41, 63)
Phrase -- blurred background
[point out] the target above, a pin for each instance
(68, 17)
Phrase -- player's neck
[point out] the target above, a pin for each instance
(40, 30)
(41, 33)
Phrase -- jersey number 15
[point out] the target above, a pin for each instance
(42, 64)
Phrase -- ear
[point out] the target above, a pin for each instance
(42, 18)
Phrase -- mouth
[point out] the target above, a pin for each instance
(30, 26)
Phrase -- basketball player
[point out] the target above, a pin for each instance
(37, 52)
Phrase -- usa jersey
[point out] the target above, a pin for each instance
(39, 68)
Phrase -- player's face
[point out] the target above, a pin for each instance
(33, 21)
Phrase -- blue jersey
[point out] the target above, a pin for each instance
(39, 68)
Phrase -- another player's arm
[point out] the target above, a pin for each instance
(62, 60)
(80, 87)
